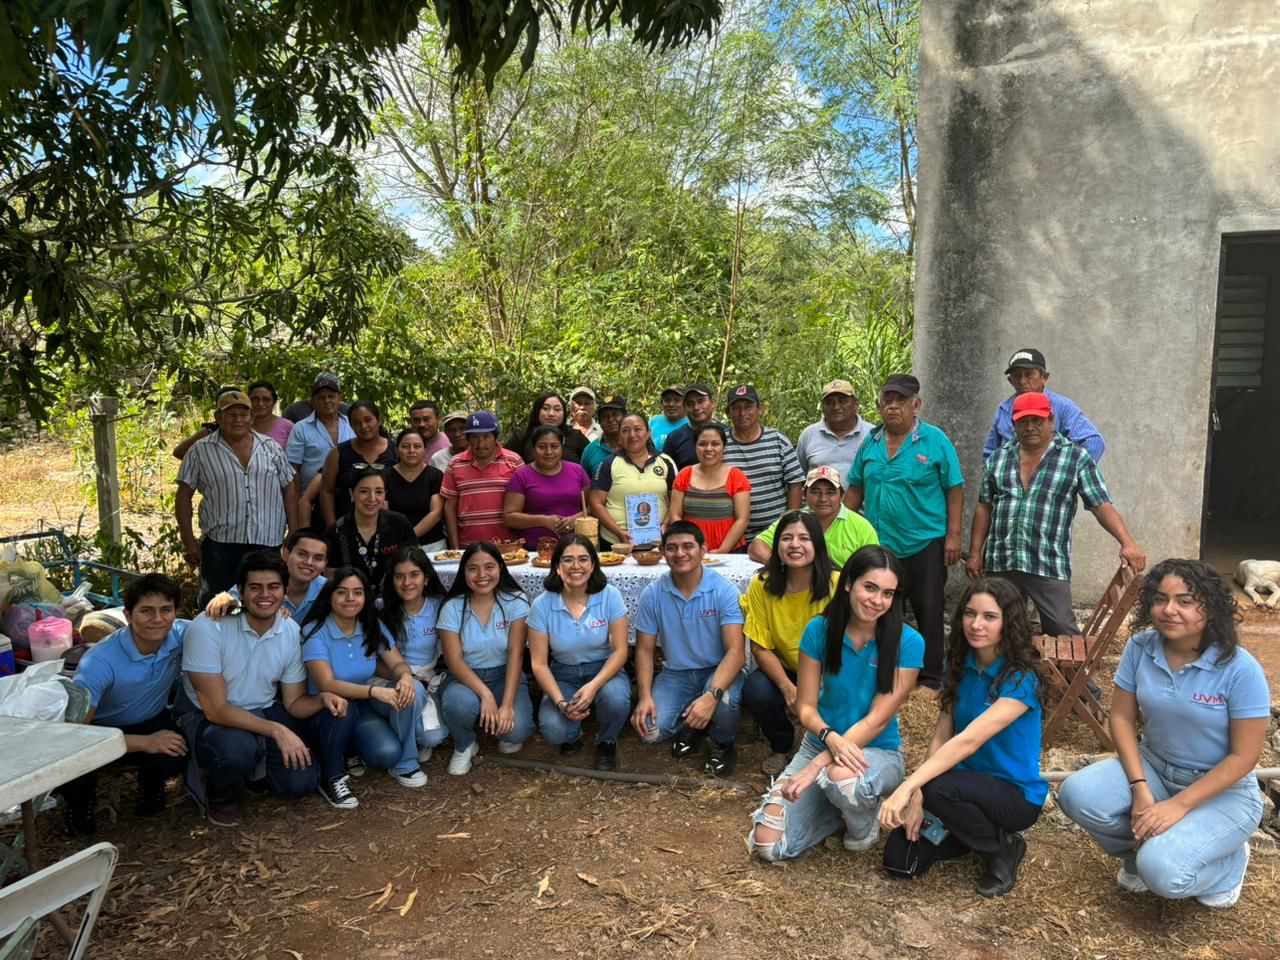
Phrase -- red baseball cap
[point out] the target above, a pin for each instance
(1031, 405)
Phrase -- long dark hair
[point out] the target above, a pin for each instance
(392, 614)
(1221, 613)
(366, 619)
(534, 422)
(774, 575)
(595, 583)
(506, 582)
(840, 611)
(1021, 658)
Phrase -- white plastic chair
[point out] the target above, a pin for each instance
(56, 886)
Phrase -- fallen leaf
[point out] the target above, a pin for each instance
(453, 836)
(543, 886)
(670, 850)
(330, 826)
(386, 895)
(240, 924)
(588, 879)
(413, 895)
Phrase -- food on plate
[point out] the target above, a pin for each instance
(711, 561)
(512, 557)
(448, 555)
(610, 559)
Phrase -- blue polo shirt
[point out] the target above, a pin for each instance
(905, 497)
(421, 646)
(845, 698)
(309, 443)
(689, 629)
(345, 655)
(483, 644)
(584, 639)
(250, 665)
(1013, 754)
(300, 611)
(126, 687)
(1187, 713)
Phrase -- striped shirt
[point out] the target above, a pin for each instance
(239, 505)
(770, 464)
(1031, 529)
(480, 494)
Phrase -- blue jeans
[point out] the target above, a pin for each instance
(672, 691)
(827, 804)
(612, 703)
(228, 756)
(1201, 854)
(384, 736)
(462, 707)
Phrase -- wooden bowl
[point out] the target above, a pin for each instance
(623, 548)
(650, 558)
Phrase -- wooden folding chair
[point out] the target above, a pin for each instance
(1071, 661)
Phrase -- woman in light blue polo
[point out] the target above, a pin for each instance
(482, 632)
(857, 663)
(345, 654)
(1178, 804)
(578, 647)
(412, 596)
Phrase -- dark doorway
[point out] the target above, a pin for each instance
(1242, 499)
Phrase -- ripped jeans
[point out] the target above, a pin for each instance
(827, 804)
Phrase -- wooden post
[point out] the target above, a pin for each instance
(102, 411)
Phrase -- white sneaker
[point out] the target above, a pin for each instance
(460, 762)
(504, 747)
(415, 780)
(1129, 882)
(1220, 901)
(424, 754)
(855, 844)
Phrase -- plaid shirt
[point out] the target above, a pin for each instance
(1031, 529)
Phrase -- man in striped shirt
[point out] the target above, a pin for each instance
(1022, 525)
(475, 485)
(766, 457)
(248, 499)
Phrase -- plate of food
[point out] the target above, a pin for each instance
(448, 556)
(542, 563)
(610, 559)
(711, 561)
(515, 557)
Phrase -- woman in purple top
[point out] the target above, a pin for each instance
(262, 399)
(545, 497)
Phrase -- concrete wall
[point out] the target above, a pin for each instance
(1079, 162)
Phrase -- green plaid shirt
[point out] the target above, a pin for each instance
(1031, 529)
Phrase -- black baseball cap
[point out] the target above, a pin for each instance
(674, 388)
(611, 401)
(1024, 358)
(744, 392)
(698, 388)
(902, 383)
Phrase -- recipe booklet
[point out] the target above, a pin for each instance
(643, 522)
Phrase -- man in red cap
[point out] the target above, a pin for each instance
(1022, 525)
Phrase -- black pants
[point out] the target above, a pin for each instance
(975, 807)
(764, 701)
(153, 768)
(218, 565)
(924, 586)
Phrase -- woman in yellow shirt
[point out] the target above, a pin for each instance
(794, 587)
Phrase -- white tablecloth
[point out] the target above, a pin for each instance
(39, 755)
(629, 577)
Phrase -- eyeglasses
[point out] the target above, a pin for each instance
(368, 467)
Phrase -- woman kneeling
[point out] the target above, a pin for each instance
(980, 781)
(1177, 806)
(858, 662)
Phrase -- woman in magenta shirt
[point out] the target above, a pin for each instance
(545, 497)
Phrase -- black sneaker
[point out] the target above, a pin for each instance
(1002, 868)
(570, 748)
(355, 766)
(724, 756)
(338, 792)
(685, 743)
(150, 802)
(606, 756)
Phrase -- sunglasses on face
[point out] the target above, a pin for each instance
(363, 468)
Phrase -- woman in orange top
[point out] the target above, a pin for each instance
(713, 495)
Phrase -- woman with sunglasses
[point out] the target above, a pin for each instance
(578, 647)
(369, 445)
(368, 536)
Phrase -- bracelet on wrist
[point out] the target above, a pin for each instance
(562, 705)
(369, 692)
(1134, 783)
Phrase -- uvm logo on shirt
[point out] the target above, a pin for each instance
(503, 624)
(592, 624)
(1209, 699)
(708, 612)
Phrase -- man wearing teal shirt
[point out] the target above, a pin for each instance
(907, 476)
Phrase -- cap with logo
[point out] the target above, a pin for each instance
(701, 388)
(482, 421)
(744, 392)
(233, 398)
(902, 383)
(827, 473)
(453, 415)
(674, 388)
(611, 401)
(1031, 405)
(326, 381)
(578, 391)
(1027, 358)
(839, 386)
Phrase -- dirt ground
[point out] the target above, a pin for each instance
(509, 863)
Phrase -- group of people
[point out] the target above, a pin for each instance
(376, 663)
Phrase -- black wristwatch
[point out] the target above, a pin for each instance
(823, 734)
(717, 693)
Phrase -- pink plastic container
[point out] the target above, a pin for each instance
(50, 638)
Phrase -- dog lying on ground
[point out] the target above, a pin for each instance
(1255, 575)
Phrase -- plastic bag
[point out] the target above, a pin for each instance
(26, 580)
(75, 604)
(34, 694)
(19, 618)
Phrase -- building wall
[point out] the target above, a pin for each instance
(1079, 163)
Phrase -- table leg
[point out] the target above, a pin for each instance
(31, 853)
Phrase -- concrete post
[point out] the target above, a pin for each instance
(102, 411)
